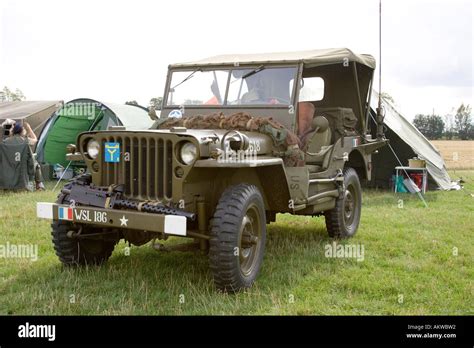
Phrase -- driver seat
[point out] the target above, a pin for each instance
(318, 144)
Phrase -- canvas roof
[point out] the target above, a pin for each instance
(23, 109)
(133, 117)
(61, 131)
(310, 58)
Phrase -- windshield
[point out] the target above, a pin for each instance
(238, 86)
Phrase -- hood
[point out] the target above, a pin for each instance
(211, 139)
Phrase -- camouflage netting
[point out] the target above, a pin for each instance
(286, 142)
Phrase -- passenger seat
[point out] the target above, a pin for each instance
(315, 136)
(318, 144)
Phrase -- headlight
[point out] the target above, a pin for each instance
(188, 153)
(93, 148)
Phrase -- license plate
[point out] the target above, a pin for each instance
(91, 216)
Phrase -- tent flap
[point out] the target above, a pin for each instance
(421, 146)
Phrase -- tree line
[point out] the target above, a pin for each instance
(459, 125)
(7, 95)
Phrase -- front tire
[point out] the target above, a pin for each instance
(343, 220)
(238, 233)
(73, 251)
(79, 252)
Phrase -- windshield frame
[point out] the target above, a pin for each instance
(225, 104)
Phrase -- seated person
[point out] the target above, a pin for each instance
(216, 98)
(306, 112)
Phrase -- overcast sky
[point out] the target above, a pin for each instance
(120, 50)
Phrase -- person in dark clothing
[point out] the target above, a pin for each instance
(17, 166)
(20, 134)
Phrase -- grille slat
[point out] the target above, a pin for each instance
(148, 174)
(131, 183)
(140, 167)
(123, 146)
(160, 171)
(169, 164)
(157, 158)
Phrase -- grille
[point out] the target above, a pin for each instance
(145, 167)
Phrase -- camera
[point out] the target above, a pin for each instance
(6, 130)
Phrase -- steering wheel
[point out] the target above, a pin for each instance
(261, 101)
(280, 100)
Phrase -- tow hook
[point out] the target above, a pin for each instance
(74, 234)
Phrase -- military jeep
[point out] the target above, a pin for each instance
(239, 139)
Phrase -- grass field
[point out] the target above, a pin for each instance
(416, 261)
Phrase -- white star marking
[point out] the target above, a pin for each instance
(123, 221)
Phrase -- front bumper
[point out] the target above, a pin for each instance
(113, 218)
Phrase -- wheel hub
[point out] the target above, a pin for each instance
(348, 206)
(249, 243)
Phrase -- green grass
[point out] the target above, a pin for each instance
(408, 252)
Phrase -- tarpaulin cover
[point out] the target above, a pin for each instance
(417, 142)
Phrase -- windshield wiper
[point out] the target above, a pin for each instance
(253, 72)
(186, 78)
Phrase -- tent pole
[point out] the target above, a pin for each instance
(380, 116)
(406, 173)
(64, 172)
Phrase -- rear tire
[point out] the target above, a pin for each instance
(238, 233)
(343, 220)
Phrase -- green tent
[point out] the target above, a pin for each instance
(81, 115)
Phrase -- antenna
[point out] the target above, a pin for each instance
(380, 51)
(380, 116)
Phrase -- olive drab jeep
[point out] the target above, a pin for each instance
(239, 139)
